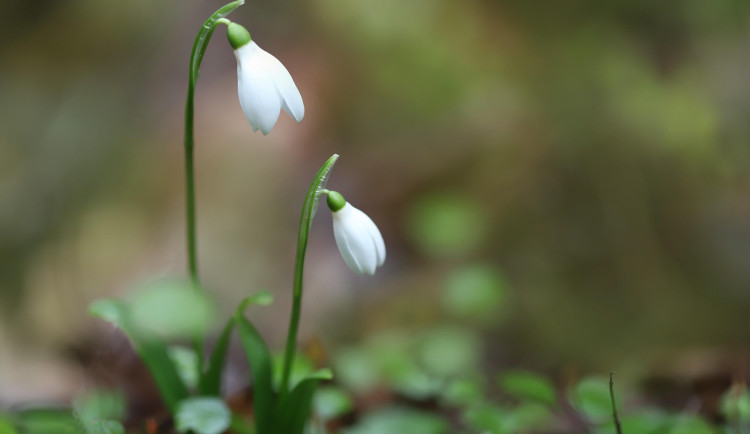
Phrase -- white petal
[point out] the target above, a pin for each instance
(377, 239)
(354, 239)
(290, 96)
(259, 98)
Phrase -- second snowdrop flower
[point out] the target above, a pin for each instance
(358, 239)
(265, 86)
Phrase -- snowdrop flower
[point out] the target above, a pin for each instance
(264, 84)
(357, 237)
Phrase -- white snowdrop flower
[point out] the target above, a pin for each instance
(358, 239)
(264, 85)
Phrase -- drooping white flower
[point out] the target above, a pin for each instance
(358, 239)
(264, 84)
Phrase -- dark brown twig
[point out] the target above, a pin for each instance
(616, 417)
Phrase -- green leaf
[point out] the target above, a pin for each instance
(331, 402)
(399, 420)
(100, 404)
(259, 359)
(485, 417)
(204, 35)
(203, 415)
(525, 385)
(48, 421)
(293, 411)
(186, 362)
(735, 404)
(240, 425)
(112, 311)
(462, 392)
(152, 351)
(591, 396)
(449, 351)
(692, 425)
(447, 225)
(6, 425)
(356, 369)
(645, 422)
(103, 427)
(527, 417)
(210, 382)
(475, 293)
(172, 309)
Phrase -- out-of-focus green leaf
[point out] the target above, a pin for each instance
(6, 425)
(735, 404)
(646, 422)
(260, 363)
(528, 416)
(399, 420)
(210, 381)
(112, 311)
(100, 404)
(241, 426)
(48, 421)
(103, 426)
(447, 225)
(449, 351)
(172, 309)
(151, 350)
(474, 293)
(692, 424)
(416, 383)
(462, 392)
(591, 396)
(331, 402)
(186, 362)
(293, 411)
(485, 417)
(525, 385)
(203, 415)
(356, 369)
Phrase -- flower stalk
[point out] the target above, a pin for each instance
(308, 211)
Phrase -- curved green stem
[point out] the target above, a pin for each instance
(196, 57)
(308, 211)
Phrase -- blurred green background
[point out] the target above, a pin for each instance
(561, 186)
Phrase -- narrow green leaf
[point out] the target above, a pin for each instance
(204, 35)
(294, 408)
(210, 382)
(259, 359)
(185, 361)
(203, 415)
(151, 350)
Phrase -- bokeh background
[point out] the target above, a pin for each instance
(562, 187)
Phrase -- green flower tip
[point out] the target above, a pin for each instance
(335, 201)
(237, 35)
